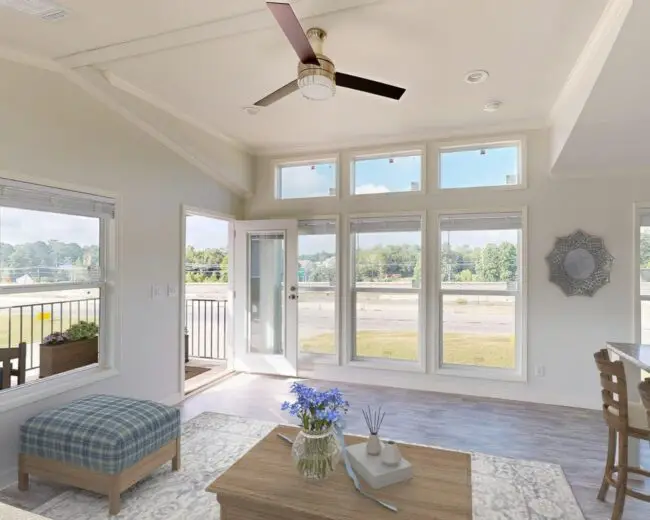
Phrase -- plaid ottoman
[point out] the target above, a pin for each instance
(108, 442)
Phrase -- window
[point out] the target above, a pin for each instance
(317, 279)
(480, 290)
(644, 278)
(52, 277)
(480, 166)
(306, 180)
(398, 172)
(385, 292)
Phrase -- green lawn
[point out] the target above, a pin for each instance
(489, 350)
(43, 325)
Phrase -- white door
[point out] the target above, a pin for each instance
(266, 297)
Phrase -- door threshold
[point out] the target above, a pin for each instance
(218, 379)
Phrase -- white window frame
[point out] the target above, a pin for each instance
(326, 359)
(277, 166)
(386, 153)
(108, 366)
(378, 363)
(640, 209)
(460, 146)
(520, 372)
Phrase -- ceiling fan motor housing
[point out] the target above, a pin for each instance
(317, 82)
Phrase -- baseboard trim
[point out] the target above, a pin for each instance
(8, 477)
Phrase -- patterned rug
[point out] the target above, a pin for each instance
(502, 489)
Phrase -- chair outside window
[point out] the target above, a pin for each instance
(7, 355)
(624, 420)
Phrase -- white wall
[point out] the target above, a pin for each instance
(563, 332)
(52, 130)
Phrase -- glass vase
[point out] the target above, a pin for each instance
(315, 456)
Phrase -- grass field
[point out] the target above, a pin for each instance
(488, 350)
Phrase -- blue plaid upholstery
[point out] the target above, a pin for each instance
(102, 433)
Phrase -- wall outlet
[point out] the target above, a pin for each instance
(540, 371)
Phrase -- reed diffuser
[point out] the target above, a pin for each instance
(374, 419)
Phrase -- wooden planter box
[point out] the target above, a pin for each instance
(56, 359)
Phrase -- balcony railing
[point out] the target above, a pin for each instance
(205, 325)
(31, 323)
(205, 328)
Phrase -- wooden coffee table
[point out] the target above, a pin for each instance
(264, 485)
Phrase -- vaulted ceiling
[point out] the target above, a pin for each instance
(202, 61)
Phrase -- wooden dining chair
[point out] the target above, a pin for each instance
(7, 355)
(624, 420)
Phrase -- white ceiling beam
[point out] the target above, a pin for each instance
(41, 62)
(252, 21)
(582, 79)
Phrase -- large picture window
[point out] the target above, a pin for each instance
(52, 279)
(317, 279)
(480, 290)
(385, 287)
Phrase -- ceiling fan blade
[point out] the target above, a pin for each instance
(289, 88)
(288, 21)
(368, 85)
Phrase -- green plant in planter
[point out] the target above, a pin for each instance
(82, 330)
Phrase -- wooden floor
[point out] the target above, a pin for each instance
(573, 438)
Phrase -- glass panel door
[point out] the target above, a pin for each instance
(266, 297)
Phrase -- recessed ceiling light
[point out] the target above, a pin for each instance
(251, 110)
(492, 106)
(476, 76)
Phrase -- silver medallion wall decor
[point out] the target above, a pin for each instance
(579, 264)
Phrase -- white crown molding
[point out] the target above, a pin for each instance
(431, 134)
(125, 86)
(584, 75)
(44, 63)
(213, 30)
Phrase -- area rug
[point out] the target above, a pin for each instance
(502, 489)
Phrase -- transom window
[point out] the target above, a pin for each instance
(480, 166)
(480, 290)
(306, 180)
(386, 173)
(385, 287)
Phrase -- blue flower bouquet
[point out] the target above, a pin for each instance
(316, 450)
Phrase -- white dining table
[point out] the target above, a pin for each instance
(635, 358)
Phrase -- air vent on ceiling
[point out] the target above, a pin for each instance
(45, 9)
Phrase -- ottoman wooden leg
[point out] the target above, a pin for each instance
(114, 501)
(176, 460)
(23, 477)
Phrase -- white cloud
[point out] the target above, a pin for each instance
(20, 226)
(366, 189)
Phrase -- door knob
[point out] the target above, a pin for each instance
(293, 288)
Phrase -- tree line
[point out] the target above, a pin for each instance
(51, 261)
(491, 263)
(206, 265)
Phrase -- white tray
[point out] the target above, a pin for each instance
(371, 469)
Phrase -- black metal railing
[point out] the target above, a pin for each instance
(31, 323)
(205, 328)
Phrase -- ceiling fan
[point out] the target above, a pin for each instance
(317, 76)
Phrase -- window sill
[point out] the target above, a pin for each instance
(387, 364)
(492, 374)
(40, 390)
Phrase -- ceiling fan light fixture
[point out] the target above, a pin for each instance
(317, 82)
